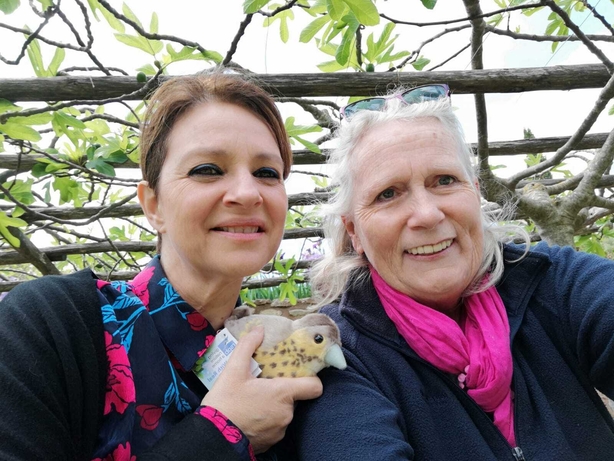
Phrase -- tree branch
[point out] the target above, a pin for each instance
(470, 17)
(571, 25)
(235, 40)
(604, 97)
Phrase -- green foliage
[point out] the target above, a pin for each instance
(8, 6)
(283, 17)
(251, 6)
(430, 4)
(289, 288)
(295, 132)
(7, 221)
(96, 139)
(36, 59)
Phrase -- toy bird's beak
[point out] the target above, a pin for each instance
(334, 357)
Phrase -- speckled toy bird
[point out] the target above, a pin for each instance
(291, 348)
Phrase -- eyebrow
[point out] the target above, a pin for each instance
(220, 153)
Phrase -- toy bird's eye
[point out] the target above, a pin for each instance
(318, 338)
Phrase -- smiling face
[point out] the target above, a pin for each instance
(415, 212)
(221, 202)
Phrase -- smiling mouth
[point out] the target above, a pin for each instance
(430, 249)
(240, 230)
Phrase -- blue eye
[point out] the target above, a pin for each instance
(386, 195)
(267, 173)
(446, 180)
(207, 169)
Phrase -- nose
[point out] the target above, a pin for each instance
(243, 190)
(425, 212)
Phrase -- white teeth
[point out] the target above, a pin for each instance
(240, 230)
(430, 249)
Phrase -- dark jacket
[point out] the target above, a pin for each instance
(390, 404)
(53, 376)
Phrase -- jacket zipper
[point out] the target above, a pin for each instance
(517, 452)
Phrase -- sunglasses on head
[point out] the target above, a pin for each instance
(413, 96)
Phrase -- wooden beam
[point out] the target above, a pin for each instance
(59, 252)
(305, 157)
(331, 84)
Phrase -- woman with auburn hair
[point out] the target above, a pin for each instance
(460, 346)
(97, 370)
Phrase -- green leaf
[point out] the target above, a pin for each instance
(115, 23)
(101, 166)
(153, 24)
(148, 46)
(68, 189)
(6, 106)
(7, 221)
(336, 8)
(611, 111)
(68, 120)
(294, 130)
(130, 14)
(429, 4)
(330, 66)
(147, 69)
(532, 11)
(45, 4)
(420, 63)
(365, 11)
(348, 42)
(284, 34)
(58, 58)
(8, 6)
(21, 190)
(36, 58)
(19, 131)
(252, 6)
(313, 28)
(308, 144)
(36, 119)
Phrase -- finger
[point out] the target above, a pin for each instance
(303, 388)
(245, 348)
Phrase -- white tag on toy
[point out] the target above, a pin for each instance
(211, 364)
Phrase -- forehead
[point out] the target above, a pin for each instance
(425, 141)
(220, 127)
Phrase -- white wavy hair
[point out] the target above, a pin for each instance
(330, 275)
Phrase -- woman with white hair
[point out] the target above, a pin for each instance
(459, 346)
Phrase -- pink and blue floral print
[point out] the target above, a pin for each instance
(153, 338)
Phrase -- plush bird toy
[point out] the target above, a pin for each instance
(291, 348)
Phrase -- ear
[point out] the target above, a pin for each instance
(149, 204)
(476, 183)
(351, 230)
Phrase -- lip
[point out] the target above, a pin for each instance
(447, 243)
(224, 228)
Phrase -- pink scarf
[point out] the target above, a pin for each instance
(480, 356)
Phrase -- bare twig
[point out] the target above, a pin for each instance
(445, 61)
(571, 25)
(603, 20)
(287, 6)
(604, 97)
(235, 40)
(416, 52)
(546, 38)
(469, 18)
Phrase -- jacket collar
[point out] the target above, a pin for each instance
(363, 309)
